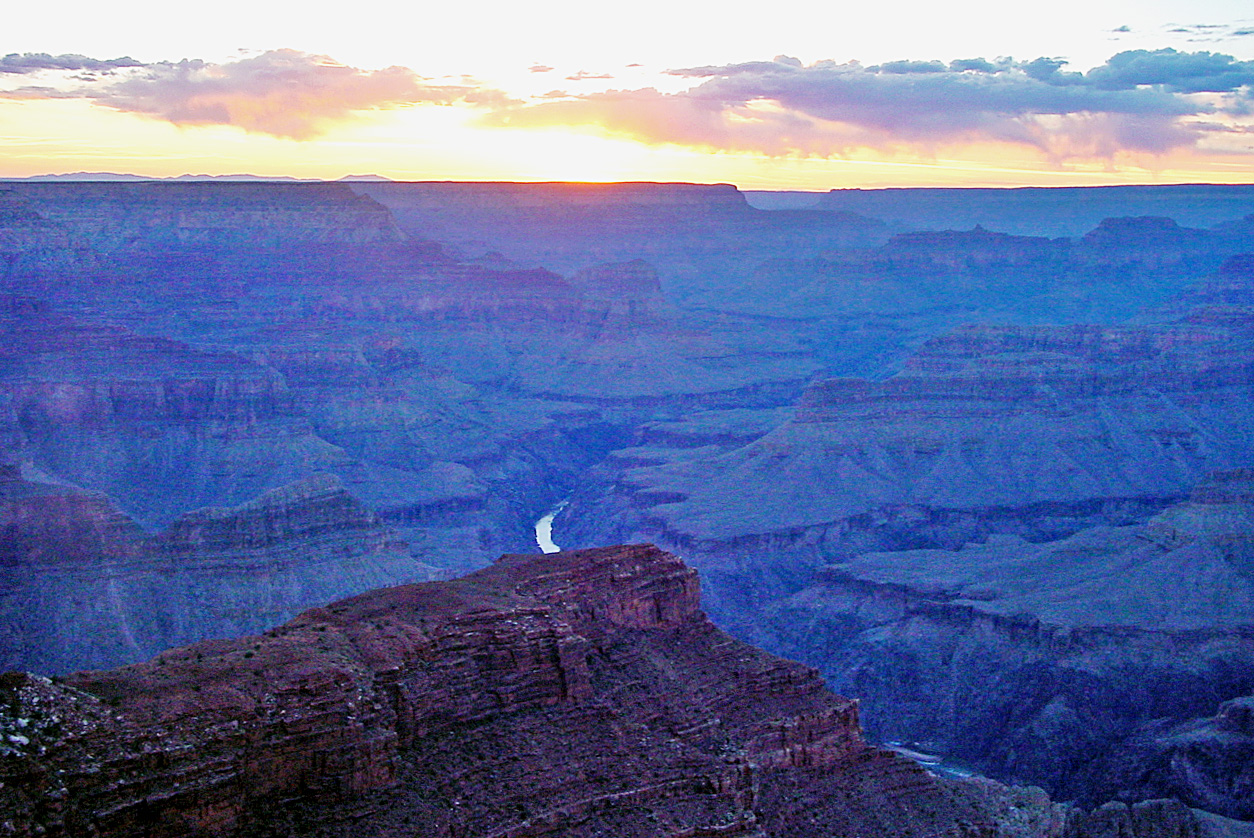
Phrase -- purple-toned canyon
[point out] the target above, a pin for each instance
(981, 458)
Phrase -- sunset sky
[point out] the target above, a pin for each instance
(803, 95)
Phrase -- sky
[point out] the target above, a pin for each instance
(808, 95)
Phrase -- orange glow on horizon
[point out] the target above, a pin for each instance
(445, 143)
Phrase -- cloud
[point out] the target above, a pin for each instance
(35, 62)
(539, 68)
(1184, 72)
(1138, 101)
(1151, 101)
(284, 93)
(1210, 32)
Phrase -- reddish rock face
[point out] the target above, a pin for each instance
(581, 693)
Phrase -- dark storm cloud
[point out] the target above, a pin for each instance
(285, 93)
(1137, 101)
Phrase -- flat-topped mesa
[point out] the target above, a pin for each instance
(541, 691)
(971, 248)
(126, 216)
(494, 196)
(1139, 234)
(1052, 211)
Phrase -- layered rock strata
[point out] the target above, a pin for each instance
(574, 694)
(83, 585)
(1031, 431)
(1090, 664)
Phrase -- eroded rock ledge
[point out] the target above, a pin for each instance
(577, 694)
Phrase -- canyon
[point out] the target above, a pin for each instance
(979, 457)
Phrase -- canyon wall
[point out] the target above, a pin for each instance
(565, 694)
(223, 403)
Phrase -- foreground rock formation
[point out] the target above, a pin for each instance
(577, 694)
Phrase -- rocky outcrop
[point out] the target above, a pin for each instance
(540, 696)
(1207, 762)
(575, 694)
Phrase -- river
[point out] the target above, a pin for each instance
(544, 530)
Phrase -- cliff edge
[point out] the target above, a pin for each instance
(580, 693)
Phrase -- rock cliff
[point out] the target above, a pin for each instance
(555, 695)
(576, 694)
(115, 217)
(284, 384)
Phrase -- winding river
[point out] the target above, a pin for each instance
(544, 530)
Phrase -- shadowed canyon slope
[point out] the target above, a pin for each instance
(985, 479)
